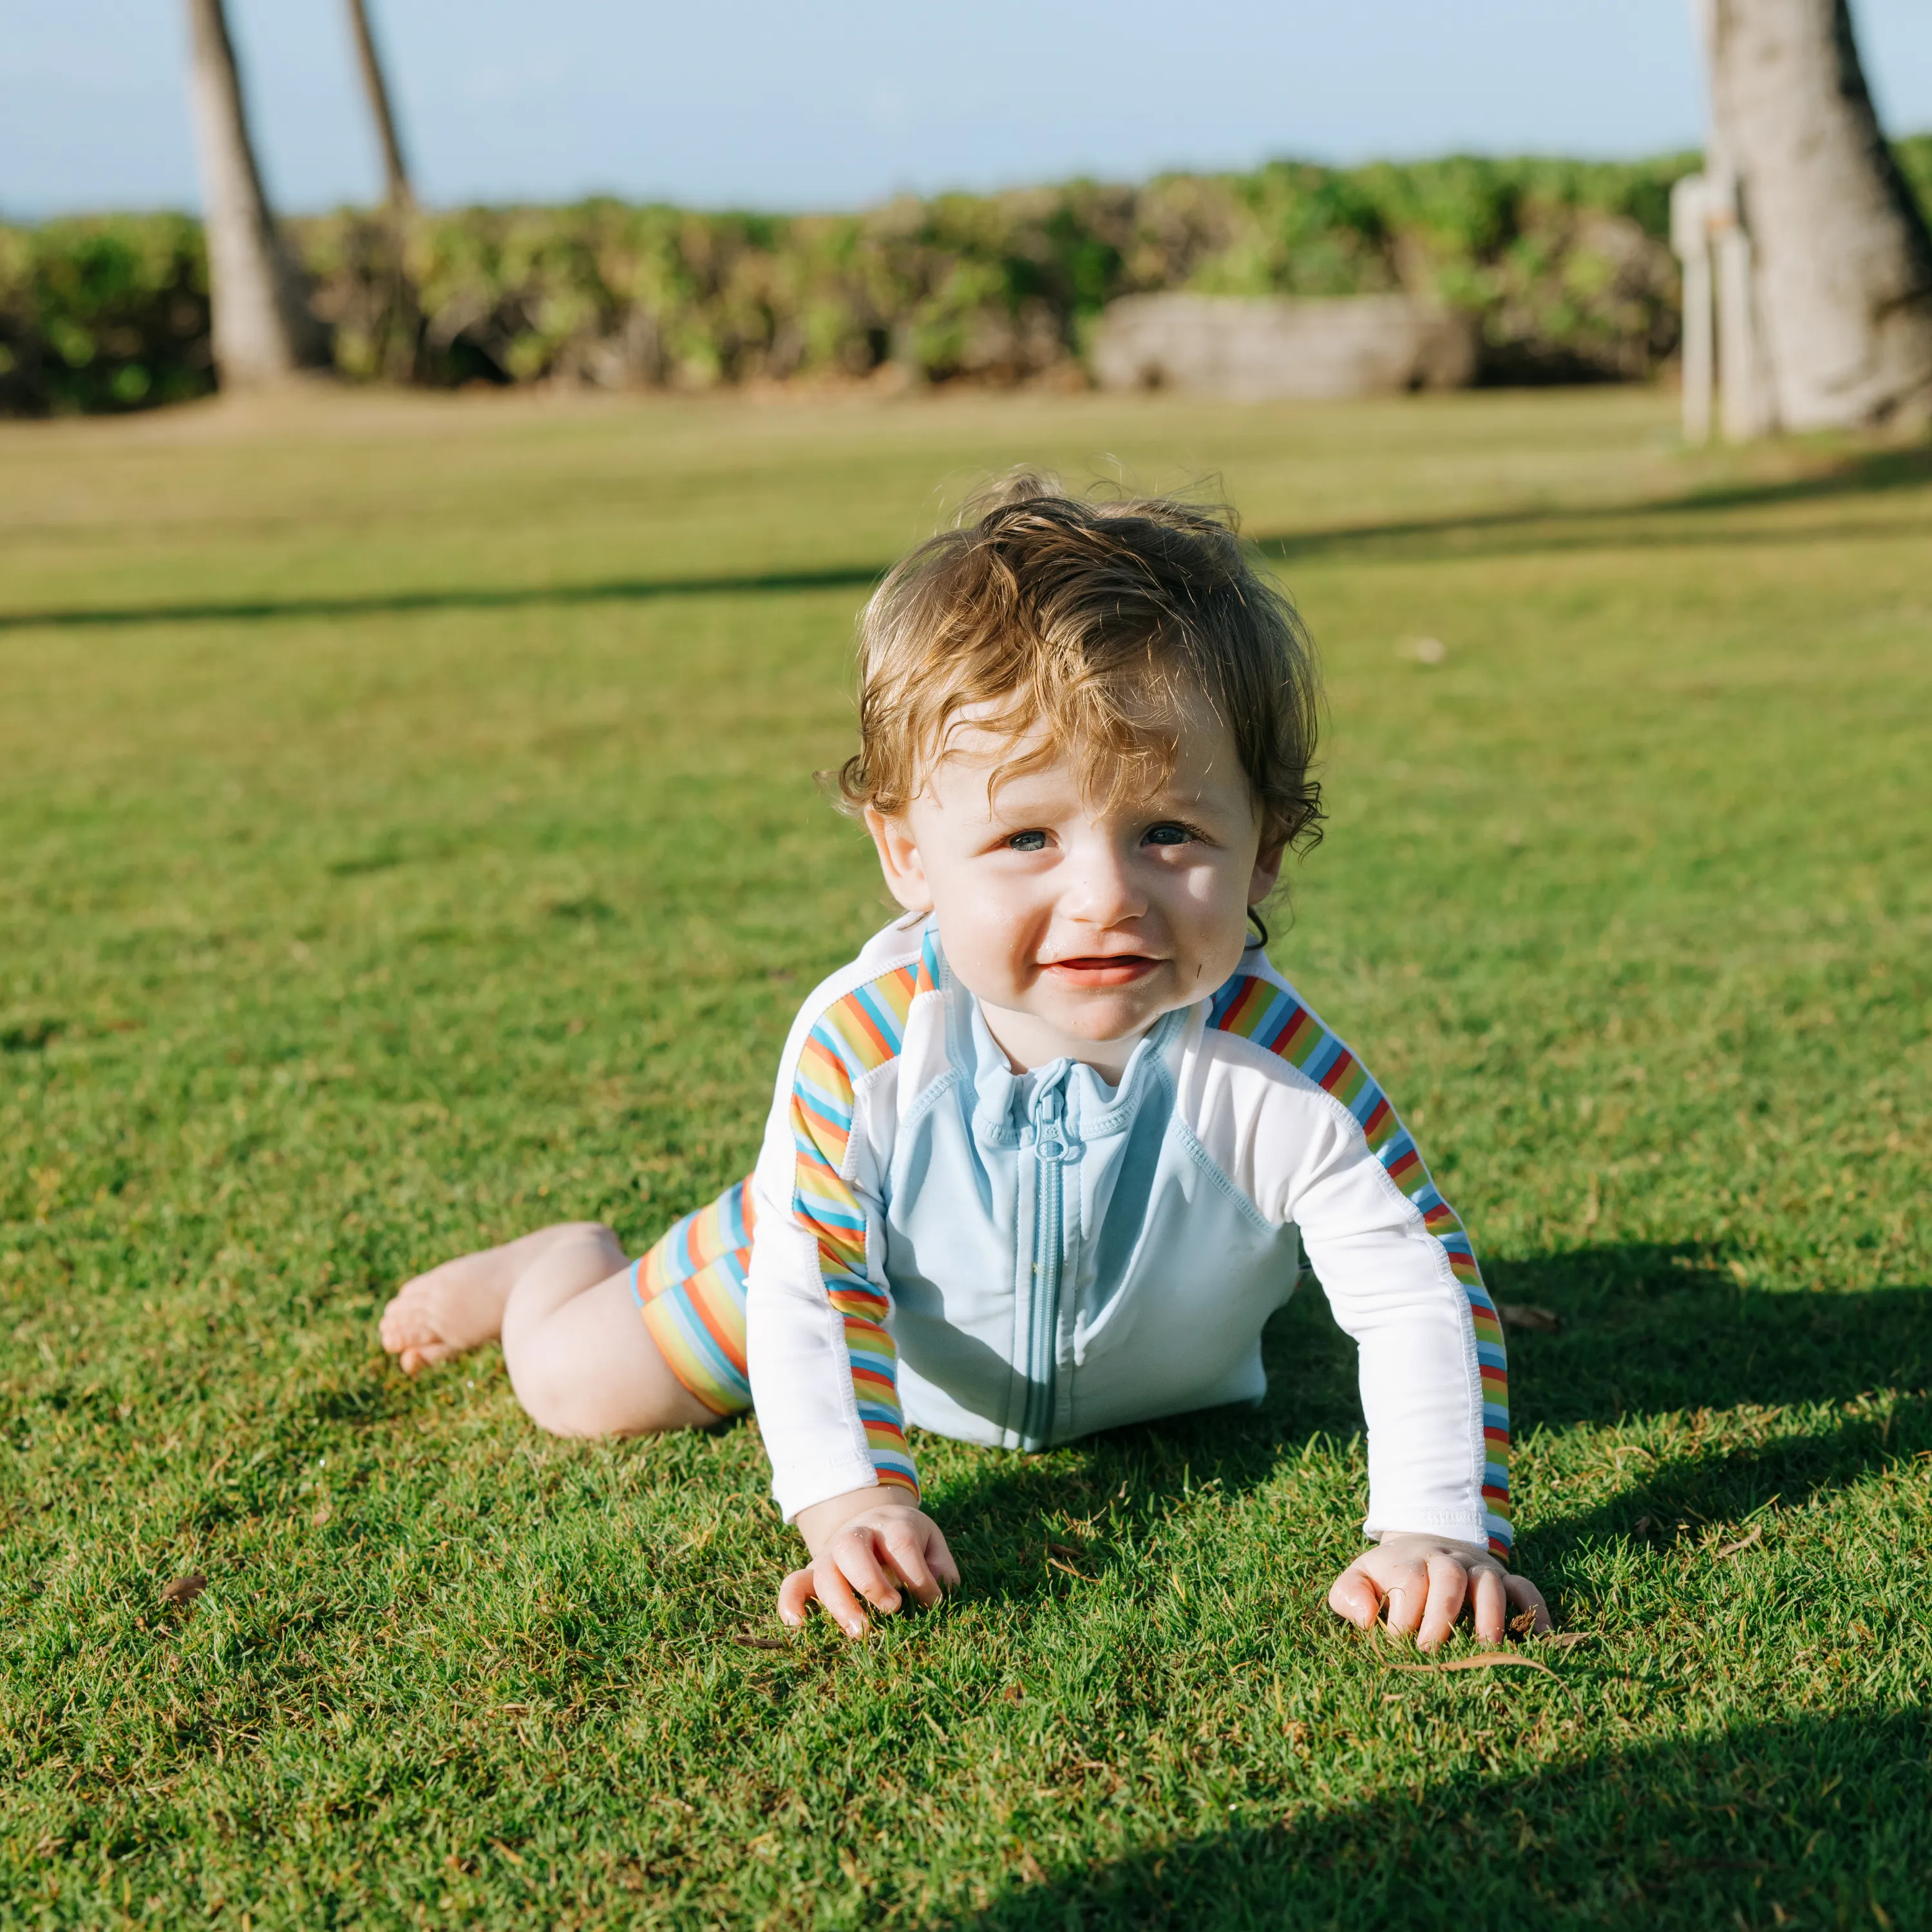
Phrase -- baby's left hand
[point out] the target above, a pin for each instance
(1427, 1581)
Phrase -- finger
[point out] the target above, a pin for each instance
(1492, 1605)
(1448, 1585)
(905, 1551)
(1408, 1594)
(1354, 1596)
(851, 1550)
(795, 1595)
(423, 1355)
(940, 1559)
(1524, 1595)
(830, 1585)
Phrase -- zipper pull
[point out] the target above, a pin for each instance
(1049, 1144)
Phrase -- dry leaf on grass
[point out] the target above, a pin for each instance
(751, 1643)
(183, 1590)
(323, 1511)
(1743, 1543)
(1568, 1640)
(1483, 1659)
(1526, 1315)
(1491, 1659)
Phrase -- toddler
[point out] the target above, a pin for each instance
(1044, 1158)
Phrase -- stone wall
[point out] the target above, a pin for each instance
(1249, 348)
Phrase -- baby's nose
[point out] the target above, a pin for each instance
(1104, 890)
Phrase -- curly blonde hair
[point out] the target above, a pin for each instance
(1093, 624)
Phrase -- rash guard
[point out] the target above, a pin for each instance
(1019, 1259)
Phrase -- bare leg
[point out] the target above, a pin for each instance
(580, 1357)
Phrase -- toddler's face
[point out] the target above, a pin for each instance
(1079, 926)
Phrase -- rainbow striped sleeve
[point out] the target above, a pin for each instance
(854, 1035)
(1261, 1011)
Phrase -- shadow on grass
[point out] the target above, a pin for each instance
(1645, 1330)
(468, 597)
(1555, 527)
(1813, 1822)
(1657, 1329)
(1544, 528)
(372, 1400)
(1653, 1326)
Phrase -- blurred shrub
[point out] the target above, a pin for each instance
(1565, 264)
(109, 312)
(1914, 158)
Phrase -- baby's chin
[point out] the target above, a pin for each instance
(1103, 1017)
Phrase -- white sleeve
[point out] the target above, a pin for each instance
(823, 1371)
(1401, 1277)
(1389, 1281)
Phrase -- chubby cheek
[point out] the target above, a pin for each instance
(1207, 913)
(992, 937)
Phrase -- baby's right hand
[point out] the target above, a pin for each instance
(867, 1544)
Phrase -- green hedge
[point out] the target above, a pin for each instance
(106, 313)
(1565, 264)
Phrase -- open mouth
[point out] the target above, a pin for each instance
(1112, 969)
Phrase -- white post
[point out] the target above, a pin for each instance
(1743, 378)
(1690, 237)
(1742, 398)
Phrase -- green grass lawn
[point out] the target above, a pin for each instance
(408, 835)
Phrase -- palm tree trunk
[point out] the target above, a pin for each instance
(1843, 261)
(263, 330)
(398, 175)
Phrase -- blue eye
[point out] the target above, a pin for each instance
(1166, 835)
(1028, 841)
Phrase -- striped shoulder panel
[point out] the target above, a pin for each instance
(857, 1034)
(852, 1037)
(1258, 1010)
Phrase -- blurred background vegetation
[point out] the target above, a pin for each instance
(1566, 264)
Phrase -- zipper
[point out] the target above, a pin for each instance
(1049, 1152)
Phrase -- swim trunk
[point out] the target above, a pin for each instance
(691, 1289)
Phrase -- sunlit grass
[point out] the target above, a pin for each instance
(407, 834)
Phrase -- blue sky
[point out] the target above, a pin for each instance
(846, 102)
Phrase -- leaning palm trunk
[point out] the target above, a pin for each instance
(263, 330)
(1842, 281)
(397, 334)
(395, 173)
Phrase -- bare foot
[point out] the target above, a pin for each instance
(459, 1306)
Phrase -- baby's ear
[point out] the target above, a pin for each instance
(1267, 870)
(899, 860)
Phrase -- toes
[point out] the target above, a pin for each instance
(445, 1312)
(411, 1333)
(406, 1328)
(414, 1315)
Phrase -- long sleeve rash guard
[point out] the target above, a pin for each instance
(1019, 1259)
